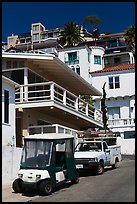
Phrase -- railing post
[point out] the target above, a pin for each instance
(64, 97)
(76, 103)
(95, 114)
(52, 91)
(26, 83)
(87, 109)
(56, 128)
(21, 94)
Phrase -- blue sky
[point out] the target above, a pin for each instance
(18, 16)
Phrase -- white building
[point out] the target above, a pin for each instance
(83, 59)
(48, 98)
(120, 102)
(92, 64)
(10, 154)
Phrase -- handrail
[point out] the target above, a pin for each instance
(44, 91)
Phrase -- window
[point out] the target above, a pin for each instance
(78, 69)
(113, 113)
(36, 36)
(73, 68)
(28, 40)
(56, 34)
(72, 56)
(6, 106)
(22, 41)
(129, 134)
(97, 59)
(11, 39)
(35, 27)
(50, 35)
(117, 60)
(114, 82)
(45, 35)
(15, 75)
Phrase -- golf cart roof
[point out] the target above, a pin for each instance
(50, 136)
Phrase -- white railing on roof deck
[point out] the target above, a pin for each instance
(55, 128)
(50, 91)
(121, 122)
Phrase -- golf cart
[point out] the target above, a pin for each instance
(47, 160)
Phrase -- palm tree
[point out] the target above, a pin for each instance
(130, 38)
(71, 35)
(94, 21)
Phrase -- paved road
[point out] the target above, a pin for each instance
(116, 185)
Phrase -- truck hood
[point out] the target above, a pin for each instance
(88, 154)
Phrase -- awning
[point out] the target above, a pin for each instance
(53, 69)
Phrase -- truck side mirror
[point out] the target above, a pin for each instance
(107, 150)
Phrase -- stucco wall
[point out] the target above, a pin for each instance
(127, 145)
(10, 163)
(127, 83)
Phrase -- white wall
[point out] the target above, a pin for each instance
(95, 50)
(83, 59)
(127, 82)
(127, 145)
(8, 130)
(11, 157)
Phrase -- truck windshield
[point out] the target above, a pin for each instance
(36, 154)
(93, 146)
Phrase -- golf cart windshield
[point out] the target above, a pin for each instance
(36, 154)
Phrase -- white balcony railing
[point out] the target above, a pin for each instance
(121, 122)
(50, 91)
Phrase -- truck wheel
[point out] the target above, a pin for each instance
(17, 185)
(114, 166)
(45, 188)
(100, 168)
(76, 180)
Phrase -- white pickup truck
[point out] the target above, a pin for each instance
(96, 155)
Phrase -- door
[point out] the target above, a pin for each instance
(107, 154)
(19, 141)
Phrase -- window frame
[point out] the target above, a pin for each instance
(35, 35)
(114, 84)
(97, 59)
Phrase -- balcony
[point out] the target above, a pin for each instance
(116, 64)
(127, 122)
(72, 62)
(51, 95)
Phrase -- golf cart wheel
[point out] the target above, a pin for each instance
(100, 168)
(45, 188)
(76, 180)
(17, 185)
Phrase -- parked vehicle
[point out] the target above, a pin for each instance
(96, 155)
(47, 161)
